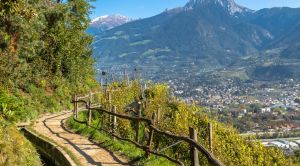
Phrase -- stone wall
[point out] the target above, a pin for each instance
(50, 151)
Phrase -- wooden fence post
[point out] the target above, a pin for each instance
(151, 132)
(89, 109)
(194, 151)
(109, 100)
(210, 137)
(106, 84)
(139, 114)
(125, 78)
(101, 83)
(142, 91)
(75, 106)
(114, 121)
(134, 74)
(158, 116)
(112, 77)
(110, 105)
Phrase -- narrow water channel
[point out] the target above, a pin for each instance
(40, 143)
(45, 161)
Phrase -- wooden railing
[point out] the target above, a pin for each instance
(149, 123)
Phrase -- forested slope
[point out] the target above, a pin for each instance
(44, 58)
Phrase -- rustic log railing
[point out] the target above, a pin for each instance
(150, 123)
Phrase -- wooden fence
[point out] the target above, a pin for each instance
(195, 147)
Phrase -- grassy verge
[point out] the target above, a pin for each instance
(122, 148)
(15, 149)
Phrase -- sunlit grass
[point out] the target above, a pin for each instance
(125, 149)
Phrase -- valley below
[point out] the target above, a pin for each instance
(241, 65)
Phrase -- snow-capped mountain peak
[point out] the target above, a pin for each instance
(229, 5)
(99, 18)
(107, 22)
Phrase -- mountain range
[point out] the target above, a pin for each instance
(208, 35)
(106, 22)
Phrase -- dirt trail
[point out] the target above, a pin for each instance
(88, 153)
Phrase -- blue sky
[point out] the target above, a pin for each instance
(147, 8)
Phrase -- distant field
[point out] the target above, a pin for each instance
(241, 74)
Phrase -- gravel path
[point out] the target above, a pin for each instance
(54, 127)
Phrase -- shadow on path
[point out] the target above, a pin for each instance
(77, 148)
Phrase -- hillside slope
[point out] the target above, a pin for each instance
(211, 34)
